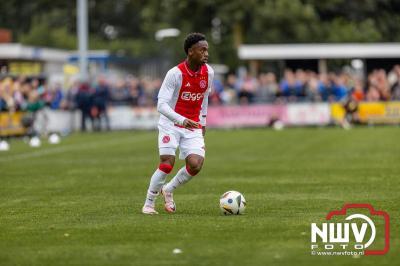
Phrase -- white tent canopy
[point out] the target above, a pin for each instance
(319, 51)
(24, 52)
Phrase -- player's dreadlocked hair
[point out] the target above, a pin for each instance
(192, 39)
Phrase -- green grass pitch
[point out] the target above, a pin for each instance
(79, 202)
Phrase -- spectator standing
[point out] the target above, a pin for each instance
(247, 89)
(100, 102)
(84, 102)
(267, 89)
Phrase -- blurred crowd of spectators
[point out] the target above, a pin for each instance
(307, 86)
(295, 86)
(92, 99)
(23, 94)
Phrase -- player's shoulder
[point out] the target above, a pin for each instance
(173, 75)
(174, 71)
(210, 69)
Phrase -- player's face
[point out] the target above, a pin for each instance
(199, 52)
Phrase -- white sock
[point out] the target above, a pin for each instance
(179, 179)
(156, 182)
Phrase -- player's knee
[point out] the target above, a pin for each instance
(193, 166)
(166, 168)
(167, 160)
(193, 169)
(166, 163)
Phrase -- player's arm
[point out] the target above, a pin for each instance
(203, 113)
(167, 89)
(204, 106)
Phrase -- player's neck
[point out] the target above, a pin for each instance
(192, 66)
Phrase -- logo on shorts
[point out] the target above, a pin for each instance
(203, 84)
(166, 139)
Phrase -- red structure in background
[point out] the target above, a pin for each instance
(5, 36)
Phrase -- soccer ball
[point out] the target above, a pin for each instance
(232, 202)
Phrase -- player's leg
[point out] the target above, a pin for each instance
(192, 150)
(194, 163)
(156, 181)
(167, 148)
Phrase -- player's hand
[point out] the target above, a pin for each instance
(203, 131)
(190, 124)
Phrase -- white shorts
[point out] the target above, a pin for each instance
(171, 137)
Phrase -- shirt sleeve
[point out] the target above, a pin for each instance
(204, 106)
(169, 85)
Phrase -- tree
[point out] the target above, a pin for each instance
(128, 26)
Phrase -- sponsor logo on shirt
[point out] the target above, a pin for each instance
(188, 96)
